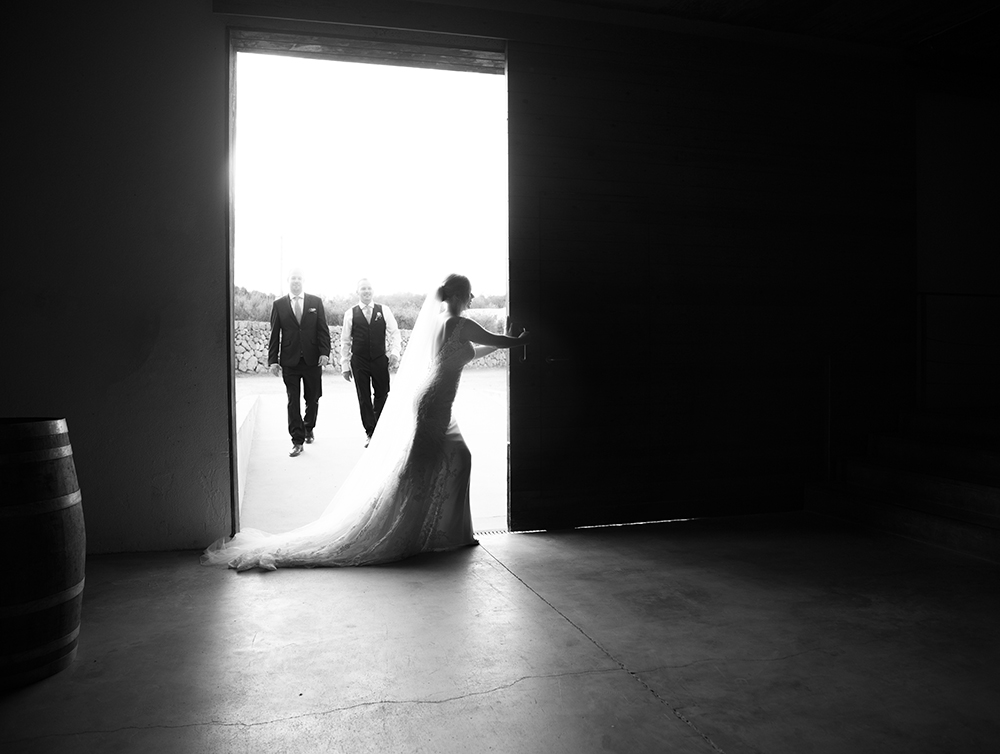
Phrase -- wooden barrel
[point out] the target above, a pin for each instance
(43, 544)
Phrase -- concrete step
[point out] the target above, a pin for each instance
(867, 509)
(973, 464)
(936, 495)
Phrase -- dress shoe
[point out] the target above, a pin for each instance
(296, 451)
(368, 439)
(309, 437)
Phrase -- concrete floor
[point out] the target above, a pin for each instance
(763, 634)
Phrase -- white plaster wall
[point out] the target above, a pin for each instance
(118, 229)
(246, 424)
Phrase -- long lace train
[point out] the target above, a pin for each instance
(408, 494)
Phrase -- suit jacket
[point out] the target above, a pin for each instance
(291, 340)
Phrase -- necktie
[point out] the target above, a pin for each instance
(368, 314)
(298, 309)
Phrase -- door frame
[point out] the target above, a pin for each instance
(345, 43)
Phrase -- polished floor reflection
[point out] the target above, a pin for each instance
(770, 634)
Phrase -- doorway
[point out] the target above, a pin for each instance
(350, 169)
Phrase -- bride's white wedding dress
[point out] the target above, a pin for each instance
(410, 495)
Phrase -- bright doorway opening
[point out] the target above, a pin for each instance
(358, 170)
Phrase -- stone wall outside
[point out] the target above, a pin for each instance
(251, 349)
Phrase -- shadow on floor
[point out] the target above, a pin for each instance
(760, 634)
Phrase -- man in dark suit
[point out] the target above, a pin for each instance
(300, 344)
(362, 353)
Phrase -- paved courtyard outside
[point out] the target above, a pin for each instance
(282, 493)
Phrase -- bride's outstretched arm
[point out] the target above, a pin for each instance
(475, 333)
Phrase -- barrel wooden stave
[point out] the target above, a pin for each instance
(42, 532)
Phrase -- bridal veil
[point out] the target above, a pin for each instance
(347, 512)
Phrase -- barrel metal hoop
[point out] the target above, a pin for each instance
(32, 456)
(38, 428)
(45, 649)
(25, 608)
(37, 674)
(38, 507)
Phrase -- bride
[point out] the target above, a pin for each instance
(409, 493)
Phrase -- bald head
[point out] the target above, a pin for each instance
(365, 291)
(295, 278)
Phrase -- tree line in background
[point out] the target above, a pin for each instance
(256, 306)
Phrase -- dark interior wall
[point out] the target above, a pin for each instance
(958, 242)
(740, 209)
(116, 267)
(958, 193)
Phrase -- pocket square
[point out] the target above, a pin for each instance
(313, 309)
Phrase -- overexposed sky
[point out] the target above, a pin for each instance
(352, 170)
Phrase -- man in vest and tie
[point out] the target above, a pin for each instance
(300, 344)
(363, 356)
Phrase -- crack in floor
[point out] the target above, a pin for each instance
(730, 660)
(633, 674)
(318, 713)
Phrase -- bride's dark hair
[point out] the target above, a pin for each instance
(454, 287)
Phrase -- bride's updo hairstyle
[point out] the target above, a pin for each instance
(455, 291)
